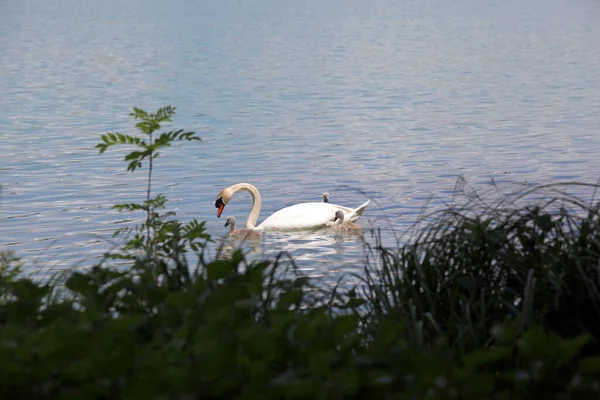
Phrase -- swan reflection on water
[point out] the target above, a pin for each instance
(299, 245)
(227, 244)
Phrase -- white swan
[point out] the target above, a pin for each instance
(344, 226)
(302, 216)
(240, 232)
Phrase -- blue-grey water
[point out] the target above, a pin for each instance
(385, 99)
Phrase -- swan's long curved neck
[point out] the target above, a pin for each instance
(256, 202)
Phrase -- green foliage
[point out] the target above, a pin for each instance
(10, 268)
(157, 237)
(150, 123)
(231, 333)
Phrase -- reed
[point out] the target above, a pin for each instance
(481, 264)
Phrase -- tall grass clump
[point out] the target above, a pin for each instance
(490, 302)
(480, 264)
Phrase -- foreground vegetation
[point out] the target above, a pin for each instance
(487, 301)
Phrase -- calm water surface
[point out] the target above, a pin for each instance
(388, 100)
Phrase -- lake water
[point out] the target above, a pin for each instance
(388, 100)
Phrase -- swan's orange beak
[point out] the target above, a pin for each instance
(220, 206)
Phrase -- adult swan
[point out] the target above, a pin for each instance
(302, 216)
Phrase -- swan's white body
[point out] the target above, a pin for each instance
(308, 216)
(302, 216)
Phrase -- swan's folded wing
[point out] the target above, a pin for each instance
(358, 212)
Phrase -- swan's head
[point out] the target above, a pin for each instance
(222, 199)
(230, 221)
(326, 197)
(339, 215)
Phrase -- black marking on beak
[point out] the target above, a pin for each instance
(220, 205)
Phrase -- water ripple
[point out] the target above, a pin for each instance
(386, 100)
